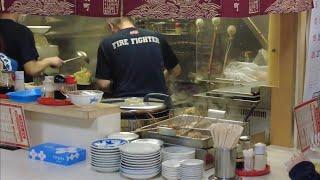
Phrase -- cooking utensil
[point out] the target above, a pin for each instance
(80, 55)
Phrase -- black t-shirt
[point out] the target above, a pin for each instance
(19, 43)
(134, 60)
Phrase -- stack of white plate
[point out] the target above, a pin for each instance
(151, 141)
(171, 169)
(124, 135)
(105, 154)
(191, 169)
(178, 153)
(140, 160)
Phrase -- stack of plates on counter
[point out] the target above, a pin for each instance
(171, 169)
(191, 169)
(105, 154)
(150, 141)
(140, 160)
(124, 135)
(178, 152)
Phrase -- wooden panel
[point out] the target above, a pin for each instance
(70, 111)
(282, 99)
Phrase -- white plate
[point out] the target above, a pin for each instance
(180, 150)
(148, 171)
(139, 148)
(171, 164)
(105, 162)
(106, 154)
(108, 143)
(141, 156)
(139, 167)
(104, 150)
(151, 141)
(132, 176)
(192, 162)
(153, 161)
(106, 158)
(112, 169)
(124, 135)
(142, 160)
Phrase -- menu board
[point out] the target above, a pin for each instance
(312, 77)
(307, 116)
(13, 129)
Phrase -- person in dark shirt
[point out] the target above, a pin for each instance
(134, 62)
(19, 44)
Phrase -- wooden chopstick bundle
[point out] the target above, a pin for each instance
(225, 135)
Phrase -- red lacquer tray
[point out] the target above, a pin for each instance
(54, 102)
(253, 173)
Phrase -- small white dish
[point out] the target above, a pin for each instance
(139, 148)
(171, 164)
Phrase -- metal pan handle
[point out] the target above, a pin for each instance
(164, 97)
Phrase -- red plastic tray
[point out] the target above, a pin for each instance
(253, 173)
(54, 102)
(3, 96)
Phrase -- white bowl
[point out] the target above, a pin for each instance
(85, 98)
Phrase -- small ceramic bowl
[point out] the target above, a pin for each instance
(85, 98)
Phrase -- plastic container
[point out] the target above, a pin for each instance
(59, 82)
(70, 84)
(48, 87)
(25, 96)
(19, 81)
(260, 159)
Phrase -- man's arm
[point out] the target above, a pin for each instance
(171, 63)
(174, 72)
(35, 67)
(103, 70)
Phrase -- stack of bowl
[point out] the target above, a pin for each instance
(178, 153)
(191, 169)
(105, 154)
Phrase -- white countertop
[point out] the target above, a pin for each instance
(15, 165)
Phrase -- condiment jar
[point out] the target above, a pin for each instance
(59, 81)
(260, 159)
(245, 142)
(6, 82)
(19, 81)
(48, 87)
(70, 84)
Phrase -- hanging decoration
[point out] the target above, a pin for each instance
(158, 9)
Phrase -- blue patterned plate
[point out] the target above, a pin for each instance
(108, 143)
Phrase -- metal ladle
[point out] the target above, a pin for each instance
(80, 55)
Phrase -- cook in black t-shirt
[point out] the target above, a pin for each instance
(134, 60)
(20, 45)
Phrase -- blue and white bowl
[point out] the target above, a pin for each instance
(105, 154)
(108, 144)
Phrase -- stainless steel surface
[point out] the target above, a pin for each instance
(225, 163)
(187, 122)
